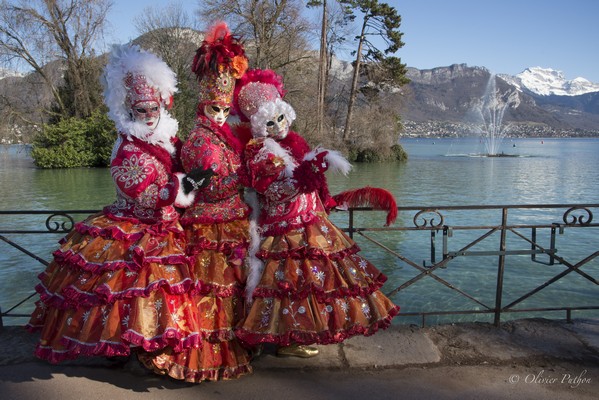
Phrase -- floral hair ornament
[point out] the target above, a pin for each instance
(218, 62)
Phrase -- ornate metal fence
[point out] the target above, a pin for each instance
(540, 245)
(442, 261)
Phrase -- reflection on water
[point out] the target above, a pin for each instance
(549, 171)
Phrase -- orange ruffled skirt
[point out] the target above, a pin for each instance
(217, 252)
(114, 286)
(315, 289)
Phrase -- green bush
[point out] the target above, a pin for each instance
(394, 153)
(398, 153)
(75, 142)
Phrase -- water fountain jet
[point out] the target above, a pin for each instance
(489, 113)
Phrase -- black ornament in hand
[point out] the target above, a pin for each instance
(196, 179)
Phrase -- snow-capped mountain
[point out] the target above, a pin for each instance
(547, 103)
(547, 81)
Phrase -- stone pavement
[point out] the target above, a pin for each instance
(522, 359)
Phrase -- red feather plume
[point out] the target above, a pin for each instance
(376, 198)
(218, 50)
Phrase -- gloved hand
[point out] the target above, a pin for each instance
(319, 162)
(196, 179)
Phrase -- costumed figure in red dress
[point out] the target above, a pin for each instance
(216, 220)
(118, 283)
(307, 283)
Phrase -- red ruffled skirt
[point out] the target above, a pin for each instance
(114, 286)
(315, 289)
(217, 253)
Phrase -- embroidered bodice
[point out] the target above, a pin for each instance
(146, 186)
(283, 204)
(212, 147)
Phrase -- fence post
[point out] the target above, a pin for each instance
(500, 267)
(351, 223)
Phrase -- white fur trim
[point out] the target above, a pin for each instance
(256, 266)
(312, 153)
(272, 146)
(161, 135)
(183, 200)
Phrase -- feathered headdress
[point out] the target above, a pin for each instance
(132, 75)
(218, 62)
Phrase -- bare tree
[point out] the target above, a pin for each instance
(275, 31)
(322, 67)
(38, 32)
(171, 34)
(334, 28)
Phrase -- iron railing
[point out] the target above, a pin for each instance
(521, 238)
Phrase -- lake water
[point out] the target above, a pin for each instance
(439, 172)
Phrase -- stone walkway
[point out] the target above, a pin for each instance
(523, 359)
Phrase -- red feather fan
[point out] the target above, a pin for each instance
(377, 198)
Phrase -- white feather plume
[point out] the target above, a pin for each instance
(273, 147)
(256, 266)
(335, 160)
(132, 59)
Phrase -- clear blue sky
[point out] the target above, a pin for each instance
(505, 36)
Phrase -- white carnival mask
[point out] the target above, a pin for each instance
(273, 120)
(143, 100)
(216, 113)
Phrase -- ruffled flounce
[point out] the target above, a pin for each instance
(137, 260)
(217, 254)
(217, 257)
(315, 288)
(151, 323)
(91, 271)
(286, 321)
(103, 247)
(278, 226)
(75, 295)
(213, 362)
(126, 229)
(318, 260)
(114, 285)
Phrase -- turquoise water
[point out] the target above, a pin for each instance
(440, 172)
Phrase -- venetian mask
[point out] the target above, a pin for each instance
(147, 112)
(273, 120)
(216, 113)
(142, 100)
(277, 127)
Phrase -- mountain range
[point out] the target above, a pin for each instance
(440, 102)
